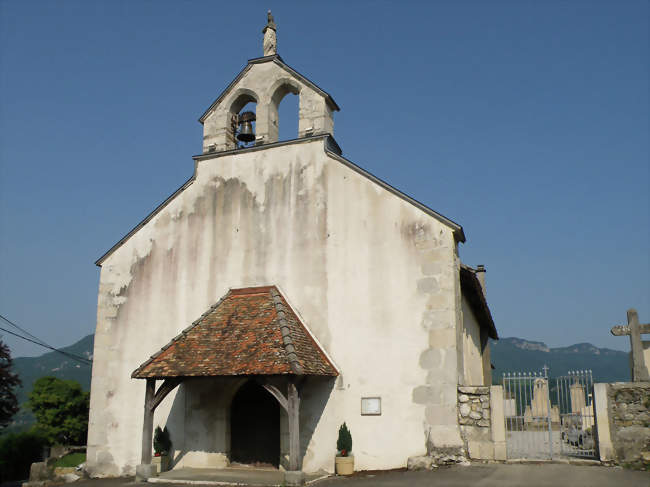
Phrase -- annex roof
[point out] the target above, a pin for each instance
(250, 331)
(473, 291)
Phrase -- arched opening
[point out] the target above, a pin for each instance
(286, 110)
(288, 113)
(246, 102)
(254, 426)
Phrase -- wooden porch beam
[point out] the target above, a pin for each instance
(293, 411)
(168, 386)
(147, 423)
(291, 404)
(152, 399)
(275, 392)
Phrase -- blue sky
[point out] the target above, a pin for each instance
(524, 121)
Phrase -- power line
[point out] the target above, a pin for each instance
(41, 343)
(78, 358)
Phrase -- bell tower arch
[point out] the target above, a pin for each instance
(266, 81)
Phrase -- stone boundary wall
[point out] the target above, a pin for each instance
(629, 422)
(482, 428)
(481, 421)
(474, 406)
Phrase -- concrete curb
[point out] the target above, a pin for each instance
(565, 461)
(157, 480)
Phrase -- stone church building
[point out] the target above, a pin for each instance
(281, 291)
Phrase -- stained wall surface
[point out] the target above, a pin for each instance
(373, 277)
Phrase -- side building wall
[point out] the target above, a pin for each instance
(373, 277)
(472, 355)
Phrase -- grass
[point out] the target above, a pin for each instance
(71, 460)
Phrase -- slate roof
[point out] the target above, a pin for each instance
(250, 331)
(473, 291)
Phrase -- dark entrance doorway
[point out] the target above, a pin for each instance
(254, 426)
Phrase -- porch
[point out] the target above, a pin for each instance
(242, 368)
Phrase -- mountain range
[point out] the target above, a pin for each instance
(507, 355)
(519, 355)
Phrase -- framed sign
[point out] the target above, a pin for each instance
(370, 406)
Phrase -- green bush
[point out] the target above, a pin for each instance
(17, 453)
(162, 444)
(344, 442)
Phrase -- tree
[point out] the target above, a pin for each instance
(8, 381)
(61, 410)
(344, 442)
(17, 453)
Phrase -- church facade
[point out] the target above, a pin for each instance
(282, 291)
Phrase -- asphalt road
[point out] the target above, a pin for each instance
(500, 475)
(490, 475)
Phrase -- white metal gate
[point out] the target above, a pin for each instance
(528, 422)
(575, 401)
(546, 418)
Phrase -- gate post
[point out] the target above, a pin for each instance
(601, 416)
(548, 412)
(498, 422)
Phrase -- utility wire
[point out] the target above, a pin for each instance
(78, 358)
(23, 330)
(41, 343)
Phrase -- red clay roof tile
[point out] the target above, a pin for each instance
(250, 331)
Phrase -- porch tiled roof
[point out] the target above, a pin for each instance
(251, 331)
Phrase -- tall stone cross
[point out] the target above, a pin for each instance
(640, 370)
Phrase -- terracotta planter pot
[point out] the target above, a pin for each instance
(161, 462)
(344, 465)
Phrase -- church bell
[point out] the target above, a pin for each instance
(246, 132)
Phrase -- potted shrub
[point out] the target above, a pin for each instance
(344, 459)
(162, 445)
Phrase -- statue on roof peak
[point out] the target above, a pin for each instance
(270, 23)
(270, 43)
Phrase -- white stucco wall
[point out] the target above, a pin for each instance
(472, 359)
(373, 277)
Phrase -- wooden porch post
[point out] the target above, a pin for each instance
(293, 412)
(291, 404)
(147, 426)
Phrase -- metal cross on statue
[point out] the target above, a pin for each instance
(634, 330)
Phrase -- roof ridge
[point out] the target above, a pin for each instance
(180, 335)
(287, 340)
